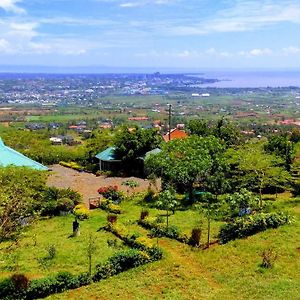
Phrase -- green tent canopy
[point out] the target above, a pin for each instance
(10, 157)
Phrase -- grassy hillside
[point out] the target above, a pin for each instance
(230, 271)
(221, 272)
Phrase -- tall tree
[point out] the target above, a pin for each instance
(185, 163)
(257, 166)
(133, 143)
(282, 147)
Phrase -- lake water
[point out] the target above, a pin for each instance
(253, 79)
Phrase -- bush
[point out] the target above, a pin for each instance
(246, 226)
(111, 193)
(160, 230)
(108, 206)
(114, 208)
(144, 214)
(269, 257)
(124, 261)
(59, 200)
(112, 218)
(81, 212)
(195, 238)
(51, 251)
(7, 288)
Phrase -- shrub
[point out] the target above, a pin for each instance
(124, 261)
(108, 206)
(144, 214)
(160, 230)
(269, 257)
(114, 208)
(81, 212)
(112, 218)
(246, 226)
(59, 200)
(51, 251)
(7, 288)
(20, 281)
(111, 193)
(195, 238)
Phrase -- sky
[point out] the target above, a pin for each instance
(151, 33)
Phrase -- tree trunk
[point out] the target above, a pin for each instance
(167, 219)
(260, 197)
(208, 229)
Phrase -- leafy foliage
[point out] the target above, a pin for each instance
(111, 193)
(131, 144)
(282, 147)
(241, 203)
(185, 163)
(59, 200)
(246, 226)
(21, 191)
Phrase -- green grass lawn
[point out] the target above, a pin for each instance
(30, 254)
(230, 271)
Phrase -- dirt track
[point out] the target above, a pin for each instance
(87, 184)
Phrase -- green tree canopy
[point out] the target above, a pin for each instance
(282, 147)
(134, 143)
(21, 193)
(255, 167)
(225, 130)
(187, 162)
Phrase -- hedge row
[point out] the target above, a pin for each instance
(135, 240)
(247, 226)
(160, 230)
(18, 286)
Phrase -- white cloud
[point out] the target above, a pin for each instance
(141, 3)
(242, 16)
(291, 50)
(11, 6)
(256, 52)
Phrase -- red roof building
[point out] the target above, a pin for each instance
(175, 134)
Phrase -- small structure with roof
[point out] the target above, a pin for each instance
(10, 157)
(108, 161)
(175, 134)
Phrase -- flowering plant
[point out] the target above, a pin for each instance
(110, 193)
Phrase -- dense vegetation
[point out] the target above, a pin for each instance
(213, 195)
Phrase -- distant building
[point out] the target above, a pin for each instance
(56, 141)
(180, 126)
(10, 157)
(175, 134)
(138, 119)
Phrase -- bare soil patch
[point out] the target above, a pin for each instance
(87, 184)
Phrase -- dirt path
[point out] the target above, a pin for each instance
(187, 261)
(87, 184)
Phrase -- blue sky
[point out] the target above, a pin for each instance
(151, 33)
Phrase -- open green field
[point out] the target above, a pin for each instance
(230, 271)
(30, 254)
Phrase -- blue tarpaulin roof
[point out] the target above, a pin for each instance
(107, 155)
(9, 157)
